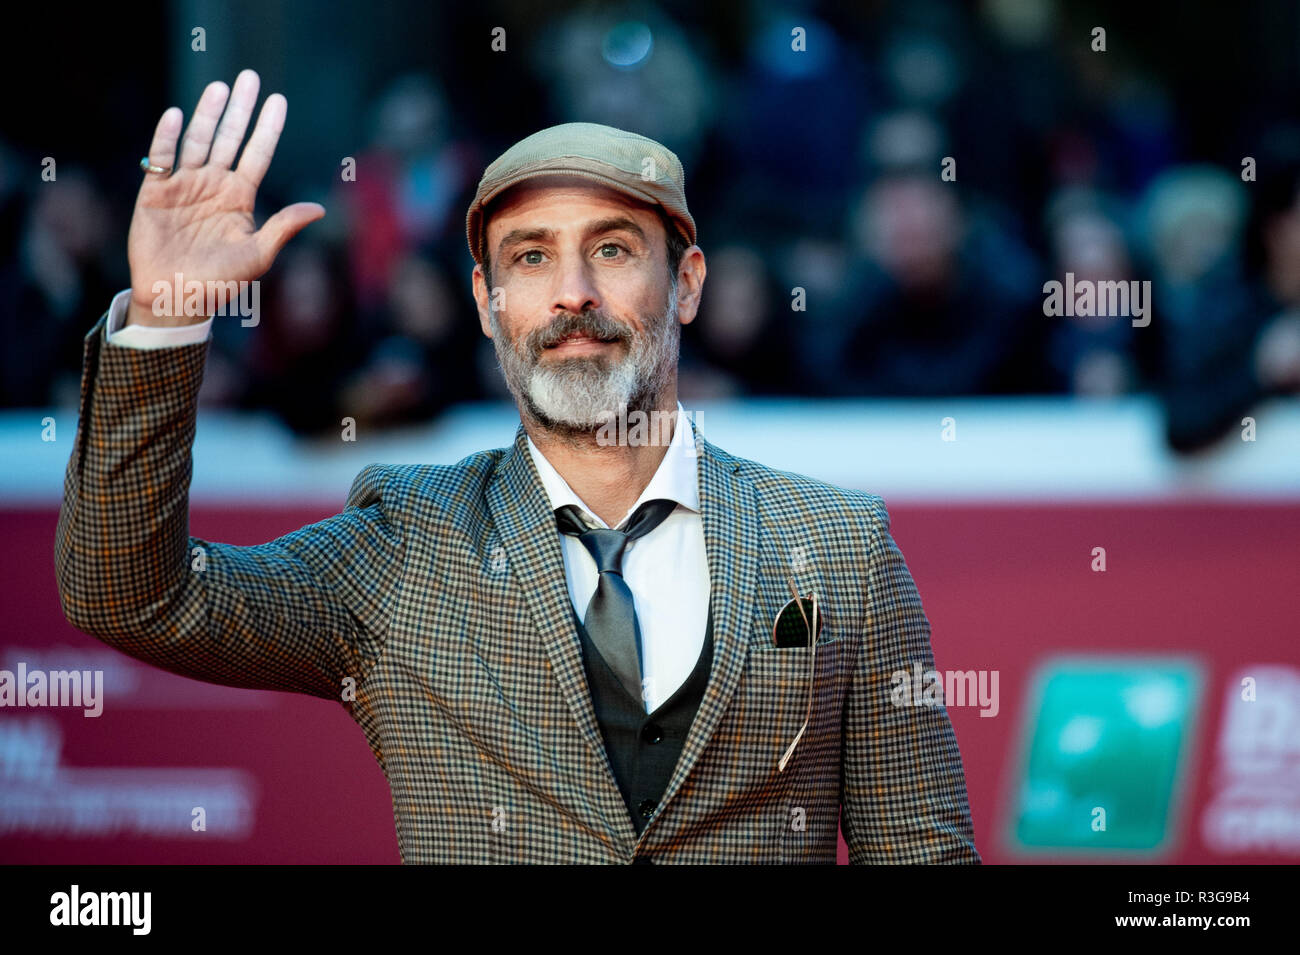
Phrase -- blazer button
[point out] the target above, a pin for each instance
(652, 733)
(647, 807)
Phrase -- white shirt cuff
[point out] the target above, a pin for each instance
(149, 336)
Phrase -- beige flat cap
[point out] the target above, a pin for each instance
(632, 164)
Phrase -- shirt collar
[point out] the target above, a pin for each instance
(676, 479)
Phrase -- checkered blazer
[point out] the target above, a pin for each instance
(435, 609)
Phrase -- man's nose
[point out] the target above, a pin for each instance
(575, 289)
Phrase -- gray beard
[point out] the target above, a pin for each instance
(582, 394)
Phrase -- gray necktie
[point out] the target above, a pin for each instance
(611, 615)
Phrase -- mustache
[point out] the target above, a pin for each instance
(591, 324)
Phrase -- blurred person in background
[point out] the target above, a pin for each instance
(939, 301)
(742, 343)
(1273, 251)
(1092, 356)
(425, 359)
(1210, 314)
(306, 345)
(786, 141)
(409, 186)
(63, 264)
(626, 67)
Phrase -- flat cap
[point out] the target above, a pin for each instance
(632, 164)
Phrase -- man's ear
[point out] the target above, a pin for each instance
(483, 299)
(690, 284)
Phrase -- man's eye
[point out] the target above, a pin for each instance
(608, 246)
(527, 257)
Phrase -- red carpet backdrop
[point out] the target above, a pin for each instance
(1202, 591)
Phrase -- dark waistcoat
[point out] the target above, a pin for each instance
(643, 747)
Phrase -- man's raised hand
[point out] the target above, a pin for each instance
(197, 221)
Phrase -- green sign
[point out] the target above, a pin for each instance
(1106, 745)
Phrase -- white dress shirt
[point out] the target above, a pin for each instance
(667, 570)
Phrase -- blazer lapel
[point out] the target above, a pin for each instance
(522, 513)
(728, 509)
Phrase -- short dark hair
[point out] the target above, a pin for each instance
(677, 244)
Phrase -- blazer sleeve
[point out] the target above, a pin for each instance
(300, 613)
(904, 789)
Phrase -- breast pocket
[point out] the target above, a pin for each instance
(783, 686)
(803, 805)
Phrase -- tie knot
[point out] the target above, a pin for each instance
(606, 545)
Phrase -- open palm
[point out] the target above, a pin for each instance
(198, 220)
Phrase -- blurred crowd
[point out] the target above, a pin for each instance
(846, 257)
